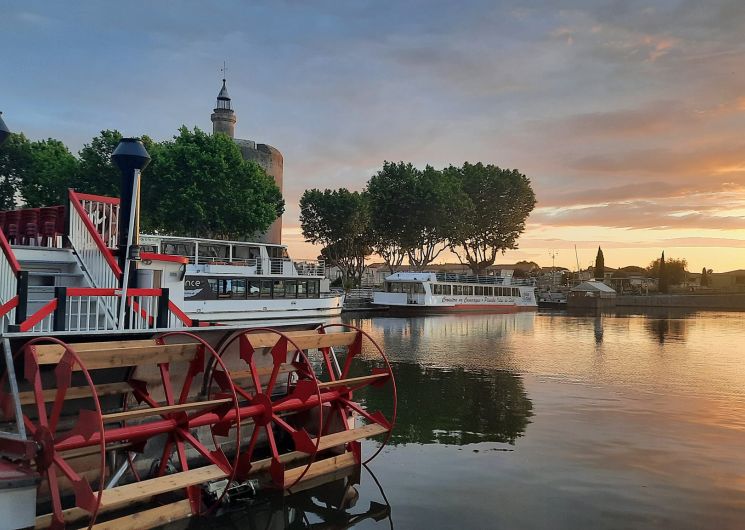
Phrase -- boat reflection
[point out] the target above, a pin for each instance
(335, 505)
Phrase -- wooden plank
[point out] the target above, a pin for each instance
(136, 492)
(304, 340)
(328, 441)
(77, 392)
(93, 450)
(352, 381)
(166, 409)
(117, 354)
(152, 518)
(323, 467)
(284, 368)
(128, 494)
(342, 437)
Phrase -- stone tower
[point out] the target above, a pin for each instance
(268, 157)
(223, 117)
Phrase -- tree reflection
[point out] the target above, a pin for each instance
(665, 329)
(455, 406)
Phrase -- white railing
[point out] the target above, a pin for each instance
(104, 215)
(95, 258)
(143, 312)
(9, 269)
(88, 313)
(311, 268)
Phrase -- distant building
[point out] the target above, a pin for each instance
(268, 157)
(732, 281)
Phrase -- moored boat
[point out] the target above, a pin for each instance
(446, 292)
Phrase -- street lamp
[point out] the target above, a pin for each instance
(553, 255)
(4, 131)
(131, 157)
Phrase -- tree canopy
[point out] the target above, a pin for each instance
(668, 272)
(497, 206)
(197, 184)
(414, 213)
(339, 220)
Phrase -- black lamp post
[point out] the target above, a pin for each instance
(131, 157)
(4, 131)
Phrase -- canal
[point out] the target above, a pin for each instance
(546, 420)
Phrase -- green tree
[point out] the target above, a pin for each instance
(414, 212)
(51, 172)
(599, 265)
(96, 174)
(387, 219)
(668, 271)
(15, 162)
(339, 220)
(498, 204)
(199, 185)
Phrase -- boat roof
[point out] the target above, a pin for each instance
(593, 286)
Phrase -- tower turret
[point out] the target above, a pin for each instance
(223, 117)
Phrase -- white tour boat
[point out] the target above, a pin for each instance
(233, 281)
(446, 292)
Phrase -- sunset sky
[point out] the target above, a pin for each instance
(629, 117)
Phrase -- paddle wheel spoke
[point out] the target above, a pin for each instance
(63, 375)
(54, 491)
(379, 380)
(50, 439)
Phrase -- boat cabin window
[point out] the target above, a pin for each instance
(278, 252)
(478, 290)
(219, 288)
(213, 252)
(244, 253)
(178, 248)
(457, 290)
(405, 287)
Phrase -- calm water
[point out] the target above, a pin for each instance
(545, 420)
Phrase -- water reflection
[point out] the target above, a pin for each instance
(456, 406)
(664, 329)
(335, 505)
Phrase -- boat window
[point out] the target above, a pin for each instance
(291, 288)
(232, 288)
(436, 288)
(515, 291)
(302, 289)
(457, 289)
(253, 288)
(446, 289)
(266, 289)
(314, 287)
(488, 291)
(279, 289)
(418, 288)
(212, 252)
(467, 290)
(478, 290)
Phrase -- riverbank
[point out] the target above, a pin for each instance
(693, 301)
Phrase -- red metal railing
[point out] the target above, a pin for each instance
(9, 269)
(86, 309)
